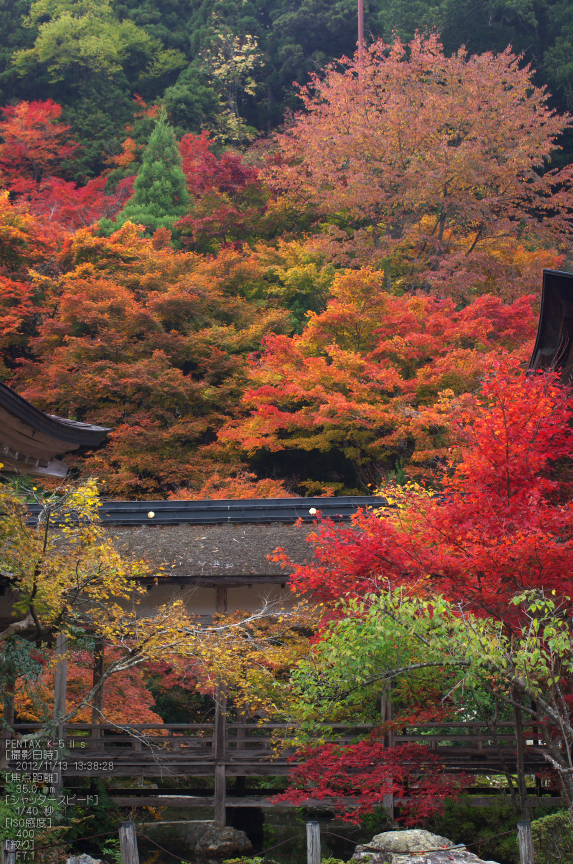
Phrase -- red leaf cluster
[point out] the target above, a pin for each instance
(367, 771)
(503, 523)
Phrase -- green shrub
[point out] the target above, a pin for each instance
(243, 859)
(262, 860)
(553, 838)
(490, 832)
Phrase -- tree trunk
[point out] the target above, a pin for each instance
(521, 782)
(61, 683)
(387, 715)
(524, 827)
(60, 703)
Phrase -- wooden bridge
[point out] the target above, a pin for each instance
(241, 750)
(248, 749)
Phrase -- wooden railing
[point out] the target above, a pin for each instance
(256, 749)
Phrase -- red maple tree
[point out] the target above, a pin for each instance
(229, 200)
(498, 525)
(34, 143)
(367, 772)
(501, 524)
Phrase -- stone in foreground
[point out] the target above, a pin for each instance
(222, 842)
(83, 859)
(414, 847)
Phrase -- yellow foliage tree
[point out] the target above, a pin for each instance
(66, 577)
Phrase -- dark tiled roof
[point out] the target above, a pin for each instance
(216, 553)
(246, 510)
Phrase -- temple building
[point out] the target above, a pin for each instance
(554, 343)
(31, 441)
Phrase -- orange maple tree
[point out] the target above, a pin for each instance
(125, 697)
(421, 162)
(372, 377)
(146, 340)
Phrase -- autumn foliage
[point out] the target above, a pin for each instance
(143, 339)
(501, 524)
(307, 322)
(368, 771)
(346, 307)
(34, 143)
(426, 161)
(126, 698)
(372, 377)
(229, 201)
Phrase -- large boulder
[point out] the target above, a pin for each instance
(222, 842)
(414, 847)
(83, 859)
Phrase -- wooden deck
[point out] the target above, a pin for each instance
(191, 750)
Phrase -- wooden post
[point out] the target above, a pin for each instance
(220, 732)
(221, 599)
(525, 840)
(61, 683)
(9, 852)
(97, 705)
(128, 843)
(386, 715)
(312, 843)
(220, 814)
(60, 702)
(9, 704)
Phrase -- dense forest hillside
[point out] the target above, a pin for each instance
(215, 62)
(274, 265)
(265, 288)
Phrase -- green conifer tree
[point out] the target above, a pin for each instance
(161, 195)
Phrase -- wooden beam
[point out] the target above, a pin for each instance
(185, 801)
(97, 705)
(220, 731)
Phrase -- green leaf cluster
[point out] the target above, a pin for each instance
(553, 838)
(86, 38)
